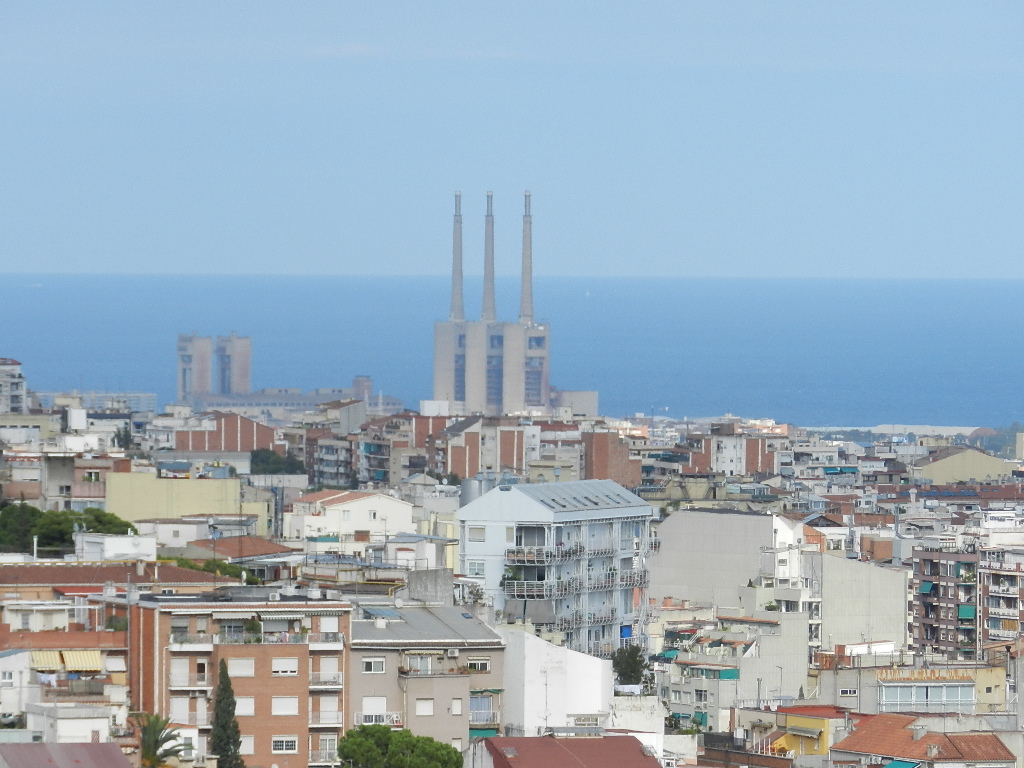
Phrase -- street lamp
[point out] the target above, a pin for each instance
(780, 679)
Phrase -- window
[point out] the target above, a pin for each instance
(456, 706)
(374, 665)
(847, 691)
(285, 666)
(701, 695)
(6, 678)
(477, 533)
(241, 667)
(457, 744)
(91, 476)
(64, 490)
(175, 533)
(245, 706)
(677, 696)
(248, 746)
(510, 535)
(346, 515)
(284, 744)
(474, 567)
(424, 707)
(497, 342)
(284, 705)
(479, 663)
(536, 342)
(419, 663)
(26, 620)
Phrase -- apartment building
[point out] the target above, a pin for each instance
(436, 670)
(347, 521)
(1001, 584)
(570, 557)
(13, 392)
(285, 651)
(945, 589)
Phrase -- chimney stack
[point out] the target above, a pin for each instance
(458, 312)
(489, 313)
(526, 295)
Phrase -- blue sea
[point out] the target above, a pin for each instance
(811, 352)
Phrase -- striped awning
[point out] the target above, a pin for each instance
(45, 659)
(83, 661)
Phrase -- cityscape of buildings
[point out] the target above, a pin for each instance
(480, 569)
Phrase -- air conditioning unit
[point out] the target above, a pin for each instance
(274, 597)
(701, 707)
(453, 653)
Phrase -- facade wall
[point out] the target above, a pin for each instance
(139, 495)
(231, 432)
(606, 457)
(862, 602)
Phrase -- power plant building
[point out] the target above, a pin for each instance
(487, 366)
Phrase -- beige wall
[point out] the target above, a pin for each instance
(963, 467)
(139, 495)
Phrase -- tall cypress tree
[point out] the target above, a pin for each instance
(225, 738)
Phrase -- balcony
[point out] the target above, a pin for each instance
(1010, 613)
(484, 717)
(191, 681)
(541, 590)
(451, 672)
(323, 641)
(601, 548)
(333, 719)
(572, 621)
(1005, 588)
(183, 641)
(325, 680)
(598, 580)
(601, 650)
(636, 577)
(328, 756)
(200, 719)
(543, 555)
(392, 719)
(1002, 634)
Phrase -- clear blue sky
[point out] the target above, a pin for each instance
(685, 139)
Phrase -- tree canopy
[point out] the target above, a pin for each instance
(55, 528)
(377, 746)
(157, 740)
(630, 665)
(264, 461)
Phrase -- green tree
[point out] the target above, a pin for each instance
(156, 740)
(225, 737)
(264, 461)
(630, 665)
(55, 528)
(377, 746)
(16, 524)
(123, 438)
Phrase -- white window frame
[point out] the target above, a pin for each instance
(479, 663)
(279, 745)
(248, 745)
(284, 666)
(475, 567)
(424, 707)
(847, 691)
(247, 708)
(289, 705)
(456, 707)
(369, 662)
(476, 533)
(239, 661)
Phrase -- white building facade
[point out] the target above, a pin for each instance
(569, 557)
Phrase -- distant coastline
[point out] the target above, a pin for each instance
(808, 351)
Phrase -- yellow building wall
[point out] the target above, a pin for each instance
(964, 466)
(990, 689)
(805, 745)
(140, 495)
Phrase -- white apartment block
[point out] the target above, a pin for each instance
(569, 557)
(13, 392)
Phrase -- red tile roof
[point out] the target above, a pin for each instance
(577, 752)
(242, 546)
(891, 735)
(66, 574)
(108, 755)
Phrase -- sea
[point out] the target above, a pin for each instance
(813, 352)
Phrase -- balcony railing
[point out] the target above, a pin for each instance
(600, 547)
(393, 719)
(602, 580)
(543, 555)
(191, 681)
(540, 590)
(484, 717)
(324, 756)
(256, 638)
(326, 718)
(200, 719)
(326, 678)
(1001, 611)
(636, 577)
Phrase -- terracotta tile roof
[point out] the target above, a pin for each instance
(891, 735)
(242, 546)
(66, 574)
(108, 755)
(551, 752)
(336, 497)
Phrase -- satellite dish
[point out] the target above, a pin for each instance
(399, 602)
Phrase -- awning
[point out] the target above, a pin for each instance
(116, 664)
(45, 659)
(796, 730)
(234, 614)
(966, 611)
(411, 652)
(901, 764)
(83, 661)
(926, 587)
(268, 616)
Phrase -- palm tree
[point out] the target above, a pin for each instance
(154, 738)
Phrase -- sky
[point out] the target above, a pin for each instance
(681, 139)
